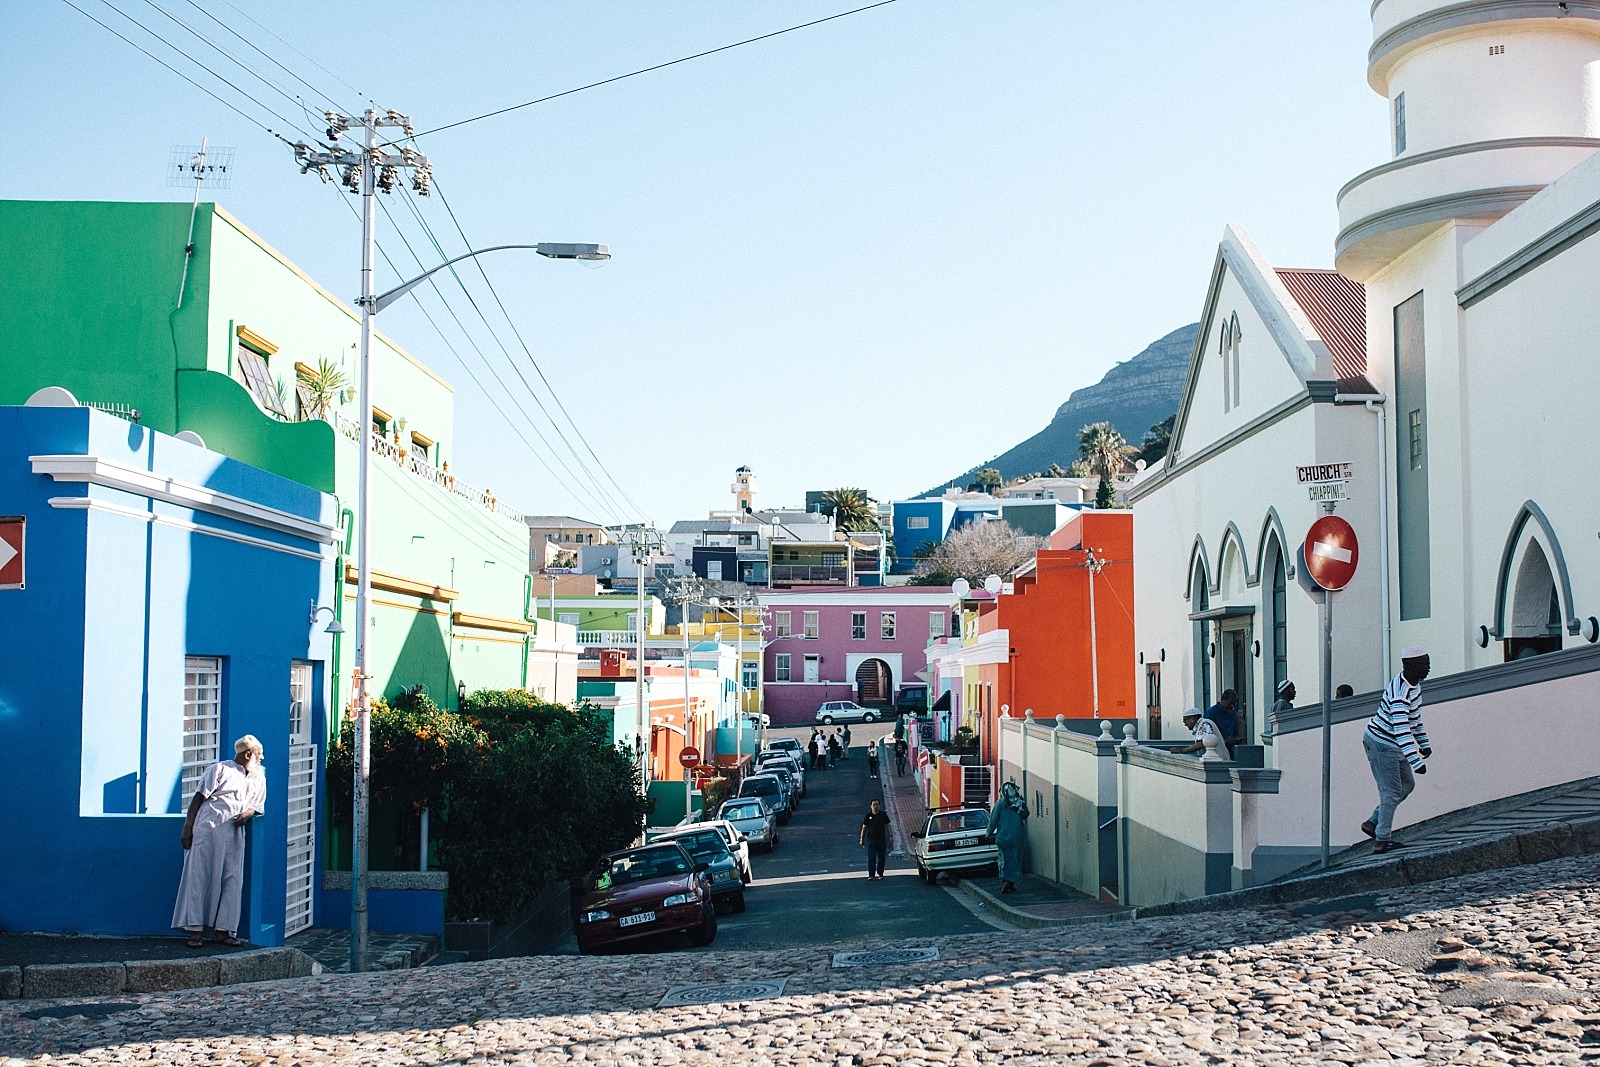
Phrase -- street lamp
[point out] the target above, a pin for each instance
(370, 306)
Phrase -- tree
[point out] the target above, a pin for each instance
(1104, 450)
(322, 386)
(1157, 439)
(974, 552)
(986, 481)
(1055, 470)
(852, 509)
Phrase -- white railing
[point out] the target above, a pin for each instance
(414, 463)
(607, 638)
(301, 810)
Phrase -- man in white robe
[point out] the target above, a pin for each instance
(231, 794)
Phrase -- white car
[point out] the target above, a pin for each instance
(846, 711)
(786, 759)
(736, 844)
(954, 839)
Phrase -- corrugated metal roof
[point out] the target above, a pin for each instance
(1337, 308)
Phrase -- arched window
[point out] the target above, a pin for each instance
(1278, 617)
(1233, 354)
(1199, 601)
(1535, 617)
(1225, 357)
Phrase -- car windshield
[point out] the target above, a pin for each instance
(956, 821)
(703, 843)
(742, 811)
(640, 865)
(759, 786)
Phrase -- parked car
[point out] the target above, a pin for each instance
(846, 711)
(791, 781)
(790, 745)
(708, 847)
(643, 892)
(736, 845)
(754, 818)
(783, 758)
(768, 787)
(954, 839)
(759, 719)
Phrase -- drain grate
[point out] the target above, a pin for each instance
(722, 993)
(884, 957)
(88, 1011)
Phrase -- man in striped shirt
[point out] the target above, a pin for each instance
(1396, 744)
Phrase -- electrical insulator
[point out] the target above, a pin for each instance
(386, 179)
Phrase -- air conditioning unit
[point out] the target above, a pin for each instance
(606, 561)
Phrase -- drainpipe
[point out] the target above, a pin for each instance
(1376, 406)
(527, 616)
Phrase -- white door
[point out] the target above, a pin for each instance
(813, 668)
(300, 805)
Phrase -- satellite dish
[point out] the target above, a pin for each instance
(961, 587)
(993, 584)
(51, 396)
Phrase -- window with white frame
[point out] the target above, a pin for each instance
(886, 625)
(782, 623)
(833, 559)
(811, 624)
(935, 625)
(202, 720)
(858, 626)
(917, 522)
(1399, 124)
(780, 667)
(571, 618)
(300, 676)
(750, 676)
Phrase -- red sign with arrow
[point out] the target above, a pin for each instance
(13, 554)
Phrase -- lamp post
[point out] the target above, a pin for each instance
(370, 306)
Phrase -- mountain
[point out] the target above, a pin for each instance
(1133, 396)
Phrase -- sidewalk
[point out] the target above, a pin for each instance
(1038, 902)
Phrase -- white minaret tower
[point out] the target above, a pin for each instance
(744, 489)
(1489, 102)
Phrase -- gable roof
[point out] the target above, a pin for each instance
(1337, 308)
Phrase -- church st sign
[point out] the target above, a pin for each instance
(1325, 482)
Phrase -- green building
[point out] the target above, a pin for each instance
(102, 300)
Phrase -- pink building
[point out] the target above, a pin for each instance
(860, 644)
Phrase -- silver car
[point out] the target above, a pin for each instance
(846, 711)
(753, 818)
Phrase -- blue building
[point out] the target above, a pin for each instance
(162, 613)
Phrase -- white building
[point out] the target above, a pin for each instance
(1450, 361)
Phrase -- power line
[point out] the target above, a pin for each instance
(606, 505)
(658, 66)
(535, 363)
(296, 51)
(224, 53)
(327, 98)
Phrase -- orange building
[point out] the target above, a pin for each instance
(1068, 623)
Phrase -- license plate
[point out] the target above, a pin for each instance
(967, 842)
(635, 920)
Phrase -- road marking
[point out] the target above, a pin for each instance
(804, 873)
(1330, 551)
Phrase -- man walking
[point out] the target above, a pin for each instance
(875, 839)
(872, 759)
(1396, 744)
(900, 756)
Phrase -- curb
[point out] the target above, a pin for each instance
(51, 981)
(1498, 852)
(1029, 921)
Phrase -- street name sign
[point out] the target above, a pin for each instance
(1325, 482)
(13, 552)
(1331, 552)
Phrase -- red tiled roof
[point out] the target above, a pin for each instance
(1337, 308)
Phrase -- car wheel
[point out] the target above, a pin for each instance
(706, 932)
(827, 720)
(869, 716)
(738, 902)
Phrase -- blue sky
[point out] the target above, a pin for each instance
(872, 252)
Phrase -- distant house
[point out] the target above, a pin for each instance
(550, 537)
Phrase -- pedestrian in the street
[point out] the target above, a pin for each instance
(900, 748)
(1284, 703)
(1396, 744)
(872, 759)
(818, 750)
(834, 750)
(231, 794)
(1201, 728)
(1225, 713)
(875, 839)
(1007, 824)
(844, 742)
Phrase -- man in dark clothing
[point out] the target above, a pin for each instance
(1225, 713)
(900, 755)
(875, 839)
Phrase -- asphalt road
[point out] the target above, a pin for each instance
(813, 888)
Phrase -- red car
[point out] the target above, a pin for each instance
(645, 892)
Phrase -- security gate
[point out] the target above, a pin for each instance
(301, 803)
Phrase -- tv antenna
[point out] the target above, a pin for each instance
(208, 168)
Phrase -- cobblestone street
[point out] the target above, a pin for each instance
(1501, 967)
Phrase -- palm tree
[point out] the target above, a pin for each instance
(322, 386)
(852, 509)
(1104, 450)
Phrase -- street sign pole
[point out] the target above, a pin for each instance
(1327, 718)
(1330, 554)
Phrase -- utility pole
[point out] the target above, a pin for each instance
(1094, 566)
(366, 170)
(639, 546)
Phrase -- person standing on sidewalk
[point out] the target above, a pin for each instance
(900, 756)
(875, 839)
(844, 742)
(872, 759)
(1396, 744)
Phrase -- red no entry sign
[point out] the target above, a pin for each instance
(1331, 552)
(13, 543)
(689, 757)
